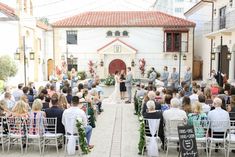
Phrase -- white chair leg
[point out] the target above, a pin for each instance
(43, 147)
(21, 146)
(9, 143)
(57, 150)
(39, 145)
(26, 148)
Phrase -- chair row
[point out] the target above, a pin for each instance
(209, 134)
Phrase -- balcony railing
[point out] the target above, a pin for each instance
(183, 47)
(220, 23)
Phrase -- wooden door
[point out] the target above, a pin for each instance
(197, 69)
(223, 62)
(50, 67)
(116, 65)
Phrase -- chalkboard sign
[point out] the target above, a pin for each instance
(188, 145)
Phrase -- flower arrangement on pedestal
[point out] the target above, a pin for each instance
(142, 64)
(91, 67)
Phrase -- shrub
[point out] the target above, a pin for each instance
(8, 67)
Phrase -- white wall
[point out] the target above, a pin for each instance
(202, 44)
(147, 40)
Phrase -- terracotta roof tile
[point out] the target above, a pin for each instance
(7, 10)
(123, 19)
(42, 25)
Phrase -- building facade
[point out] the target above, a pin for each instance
(114, 40)
(20, 29)
(175, 7)
(217, 33)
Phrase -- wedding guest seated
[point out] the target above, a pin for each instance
(231, 108)
(186, 104)
(45, 104)
(205, 107)
(96, 101)
(70, 116)
(208, 96)
(9, 101)
(26, 93)
(194, 96)
(174, 113)
(151, 96)
(18, 92)
(63, 103)
(155, 114)
(218, 114)
(56, 112)
(167, 100)
(37, 118)
(218, 128)
(195, 117)
(51, 91)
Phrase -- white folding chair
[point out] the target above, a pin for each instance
(218, 131)
(171, 134)
(34, 133)
(151, 133)
(3, 137)
(71, 134)
(231, 137)
(201, 128)
(51, 137)
(17, 130)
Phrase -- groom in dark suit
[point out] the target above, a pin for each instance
(128, 83)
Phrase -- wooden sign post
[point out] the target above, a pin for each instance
(187, 140)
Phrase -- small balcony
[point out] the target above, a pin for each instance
(175, 46)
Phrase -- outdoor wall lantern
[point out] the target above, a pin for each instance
(31, 55)
(62, 57)
(39, 60)
(212, 56)
(132, 63)
(184, 57)
(175, 57)
(17, 56)
(229, 56)
(101, 63)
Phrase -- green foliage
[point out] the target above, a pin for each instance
(141, 143)
(149, 71)
(81, 75)
(82, 137)
(44, 20)
(109, 81)
(8, 67)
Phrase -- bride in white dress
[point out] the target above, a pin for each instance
(115, 96)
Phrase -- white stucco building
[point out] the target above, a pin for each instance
(218, 25)
(16, 25)
(114, 40)
(175, 7)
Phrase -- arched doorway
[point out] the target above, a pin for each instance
(50, 67)
(116, 65)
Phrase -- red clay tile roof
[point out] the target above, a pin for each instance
(7, 10)
(42, 25)
(123, 19)
(117, 39)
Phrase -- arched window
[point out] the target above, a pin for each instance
(109, 33)
(117, 33)
(125, 33)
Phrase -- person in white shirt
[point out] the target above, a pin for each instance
(194, 96)
(218, 114)
(205, 107)
(70, 116)
(174, 113)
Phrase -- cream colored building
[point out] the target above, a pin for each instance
(213, 30)
(19, 26)
(115, 40)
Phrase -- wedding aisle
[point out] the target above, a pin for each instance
(116, 133)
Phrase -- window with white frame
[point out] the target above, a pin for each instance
(179, 10)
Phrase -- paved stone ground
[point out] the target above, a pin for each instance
(116, 135)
